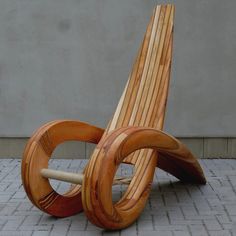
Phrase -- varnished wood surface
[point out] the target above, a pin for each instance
(132, 136)
(142, 105)
(36, 156)
(110, 152)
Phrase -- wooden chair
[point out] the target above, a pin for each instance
(134, 136)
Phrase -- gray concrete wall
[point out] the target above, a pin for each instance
(71, 59)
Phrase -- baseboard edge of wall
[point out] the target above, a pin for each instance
(202, 147)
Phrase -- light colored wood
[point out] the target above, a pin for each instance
(132, 136)
(75, 178)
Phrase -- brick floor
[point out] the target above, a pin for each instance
(174, 208)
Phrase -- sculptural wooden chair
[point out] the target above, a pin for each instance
(134, 136)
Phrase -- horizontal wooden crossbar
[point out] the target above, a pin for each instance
(76, 178)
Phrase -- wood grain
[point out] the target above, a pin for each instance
(140, 111)
(134, 135)
(110, 152)
(36, 156)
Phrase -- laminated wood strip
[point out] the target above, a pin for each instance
(142, 101)
(133, 136)
(122, 110)
(36, 156)
(136, 104)
(98, 196)
(157, 27)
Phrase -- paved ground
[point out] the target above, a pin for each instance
(174, 208)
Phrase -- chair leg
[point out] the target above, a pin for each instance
(110, 152)
(36, 156)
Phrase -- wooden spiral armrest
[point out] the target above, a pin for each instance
(36, 156)
(110, 152)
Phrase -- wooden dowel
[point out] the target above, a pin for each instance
(76, 178)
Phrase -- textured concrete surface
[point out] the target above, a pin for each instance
(71, 59)
(173, 209)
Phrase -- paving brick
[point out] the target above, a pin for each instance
(78, 225)
(171, 227)
(130, 231)
(31, 220)
(175, 214)
(161, 220)
(186, 222)
(174, 208)
(189, 211)
(9, 208)
(145, 225)
(24, 206)
(231, 209)
(111, 233)
(223, 219)
(35, 227)
(12, 225)
(198, 230)
(83, 233)
(220, 233)
(212, 225)
(155, 233)
(181, 233)
(41, 233)
(59, 230)
(91, 227)
(16, 233)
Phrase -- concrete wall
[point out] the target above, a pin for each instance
(71, 59)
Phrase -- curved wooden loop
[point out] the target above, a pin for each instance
(110, 152)
(36, 156)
